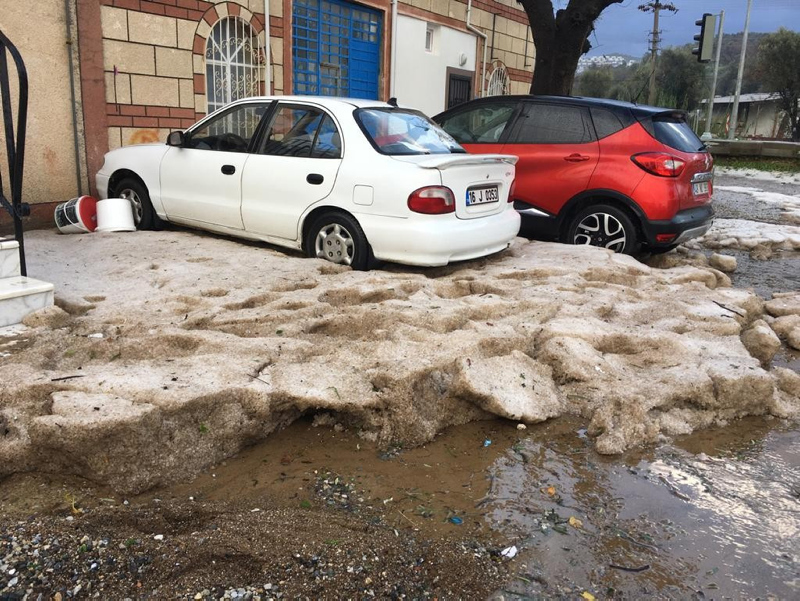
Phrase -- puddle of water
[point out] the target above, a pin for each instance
(420, 488)
(716, 512)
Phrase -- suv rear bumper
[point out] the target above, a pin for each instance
(688, 224)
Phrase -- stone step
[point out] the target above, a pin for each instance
(9, 258)
(20, 296)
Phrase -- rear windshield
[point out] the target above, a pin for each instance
(402, 131)
(675, 133)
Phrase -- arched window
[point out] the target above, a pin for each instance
(234, 62)
(498, 81)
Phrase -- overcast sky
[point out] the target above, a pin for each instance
(623, 29)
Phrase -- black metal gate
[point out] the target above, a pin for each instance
(459, 89)
(15, 146)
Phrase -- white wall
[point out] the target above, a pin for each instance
(421, 80)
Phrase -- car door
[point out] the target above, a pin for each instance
(294, 167)
(201, 181)
(480, 129)
(557, 152)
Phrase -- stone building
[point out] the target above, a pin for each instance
(109, 73)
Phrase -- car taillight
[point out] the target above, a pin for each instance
(432, 200)
(659, 163)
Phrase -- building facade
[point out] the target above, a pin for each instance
(110, 73)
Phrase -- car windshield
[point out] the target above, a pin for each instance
(402, 131)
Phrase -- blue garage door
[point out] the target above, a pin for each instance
(336, 49)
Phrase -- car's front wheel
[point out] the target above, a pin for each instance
(144, 215)
(338, 238)
(605, 226)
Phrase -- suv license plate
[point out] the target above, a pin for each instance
(479, 196)
(700, 188)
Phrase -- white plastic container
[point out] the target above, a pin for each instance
(77, 216)
(115, 215)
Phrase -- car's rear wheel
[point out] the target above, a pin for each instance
(144, 216)
(605, 226)
(338, 238)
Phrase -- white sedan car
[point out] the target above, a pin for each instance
(345, 180)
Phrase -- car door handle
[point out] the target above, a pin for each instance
(576, 158)
(228, 169)
(315, 178)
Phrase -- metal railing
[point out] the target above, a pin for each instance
(15, 146)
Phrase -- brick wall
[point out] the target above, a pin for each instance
(154, 61)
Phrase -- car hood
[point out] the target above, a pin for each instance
(446, 161)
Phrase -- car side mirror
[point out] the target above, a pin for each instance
(176, 138)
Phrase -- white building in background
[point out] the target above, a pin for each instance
(760, 116)
(436, 64)
(605, 60)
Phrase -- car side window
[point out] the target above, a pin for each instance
(481, 125)
(552, 124)
(230, 131)
(605, 121)
(329, 143)
(302, 132)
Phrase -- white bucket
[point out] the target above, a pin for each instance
(76, 216)
(115, 215)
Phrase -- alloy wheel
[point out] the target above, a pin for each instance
(601, 229)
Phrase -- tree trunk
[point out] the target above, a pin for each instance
(560, 40)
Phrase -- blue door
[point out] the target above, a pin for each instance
(335, 49)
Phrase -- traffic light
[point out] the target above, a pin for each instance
(706, 38)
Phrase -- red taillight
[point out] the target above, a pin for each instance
(665, 237)
(659, 163)
(511, 191)
(432, 200)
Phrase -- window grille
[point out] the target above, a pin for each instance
(498, 81)
(234, 63)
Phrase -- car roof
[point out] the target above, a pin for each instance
(640, 110)
(329, 100)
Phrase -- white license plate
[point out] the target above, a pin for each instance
(479, 196)
(700, 188)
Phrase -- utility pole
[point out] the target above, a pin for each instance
(707, 134)
(655, 6)
(735, 111)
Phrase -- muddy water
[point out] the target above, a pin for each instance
(715, 513)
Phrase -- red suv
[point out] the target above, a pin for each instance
(595, 171)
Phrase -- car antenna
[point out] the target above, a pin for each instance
(393, 101)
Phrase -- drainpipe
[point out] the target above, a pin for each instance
(482, 35)
(70, 46)
(393, 67)
(267, 51)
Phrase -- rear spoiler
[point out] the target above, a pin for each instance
(675, 114)
(458, 160)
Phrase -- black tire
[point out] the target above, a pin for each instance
(144, 216)
(605, 226)
(338, 238)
